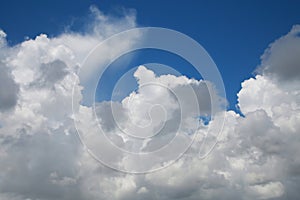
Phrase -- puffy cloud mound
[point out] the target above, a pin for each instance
(8, 90)
(281, 59)
(256, 156)
(160, 119)
(40, 153)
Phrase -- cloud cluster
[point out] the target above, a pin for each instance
(256, 156)
(159, 119)
(40, 153)
(281, 59)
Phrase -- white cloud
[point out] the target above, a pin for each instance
(281, 60)
(267, 191)
(41, 157)
(164, 111)
(2, 39)
(40, 152)
(8, 89)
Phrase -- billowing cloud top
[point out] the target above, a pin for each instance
(41, 157)
(281, 59)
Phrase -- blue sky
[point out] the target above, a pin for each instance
(55, 143)
(234, 33)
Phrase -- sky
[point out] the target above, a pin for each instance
(234, 33)
(80, 119)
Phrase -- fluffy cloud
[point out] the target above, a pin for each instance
(256, 156)
(40, 153)
(8, 89)
(2, 38)
(281, 59)
(159, 120)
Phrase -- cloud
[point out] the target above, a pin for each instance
(281, 59)
(2, 39)
(41, 157)
(254, 157)
(163, 111)
(8, 89)
(40, 152)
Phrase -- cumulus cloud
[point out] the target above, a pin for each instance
(281, 58)
(2, 38)
(164, 111)
(40, 153)
(8, 89)
(256, 156)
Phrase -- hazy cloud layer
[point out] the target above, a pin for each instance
(257, 156)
